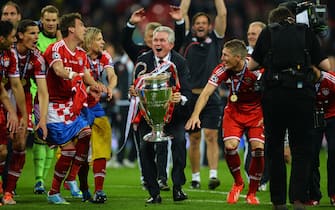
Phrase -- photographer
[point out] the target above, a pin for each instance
(287, 50)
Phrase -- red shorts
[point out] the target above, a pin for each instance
(236, 123)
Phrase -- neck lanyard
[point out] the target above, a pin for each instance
(96, 74)
(235, 91)
(23, 72)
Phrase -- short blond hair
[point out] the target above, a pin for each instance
(90, 34)
(237, 47)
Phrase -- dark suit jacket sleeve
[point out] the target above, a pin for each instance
(128, 44)
(179, 35)
(181, 111)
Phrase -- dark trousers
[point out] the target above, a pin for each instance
(314, 192)
(290, 109)
(314, 187)
(148, 154)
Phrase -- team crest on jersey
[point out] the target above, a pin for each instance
(80, 61)
(214, 78)
(6, 63)
(325, 91)
(248, 80)
(55, 55)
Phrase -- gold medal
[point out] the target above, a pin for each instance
(233, 98)
(4, 80)
(23, 82)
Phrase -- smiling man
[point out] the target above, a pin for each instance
(162, 45)
(242, 113)
(202, 51)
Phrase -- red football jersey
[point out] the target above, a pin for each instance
(248, 99)
(326, 93)
(97, 67)
(60, 88)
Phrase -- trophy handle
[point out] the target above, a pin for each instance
(141, 72)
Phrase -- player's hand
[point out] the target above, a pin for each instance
(137, 16)
(43, 126)
(132, 91)
(175, 97)
(12, 123)
(193, 122)
(109, 93)
(175, 13)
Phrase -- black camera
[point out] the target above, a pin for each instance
(314, 15)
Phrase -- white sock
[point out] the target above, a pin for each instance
(213, 173)
(196, 176)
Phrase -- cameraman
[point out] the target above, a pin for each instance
(287, 50)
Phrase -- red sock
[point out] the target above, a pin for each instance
(15, 167)
(82, 147)
(256, 169)
(82, 175)
(234, 163)
(99, 171)
(61, 167)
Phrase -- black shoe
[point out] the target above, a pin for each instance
(163, 186)
(279, 207)
(154, 200)
(195, 185)
(179, 195)
(213, 183)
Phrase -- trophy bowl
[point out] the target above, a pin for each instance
(154, 102)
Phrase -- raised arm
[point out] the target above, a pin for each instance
(177, 16)
(184, 6)
(221, 17)
(131, 48)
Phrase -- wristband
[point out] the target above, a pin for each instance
(71, 74)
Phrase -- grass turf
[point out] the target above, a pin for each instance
(124, 192)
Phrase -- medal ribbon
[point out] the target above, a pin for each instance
(233, 90)
(96, 74)
(23, 72)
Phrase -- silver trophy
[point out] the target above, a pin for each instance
(154, 103)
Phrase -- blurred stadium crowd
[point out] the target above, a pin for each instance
(111, 15)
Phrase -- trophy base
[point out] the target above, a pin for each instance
(153, 137)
